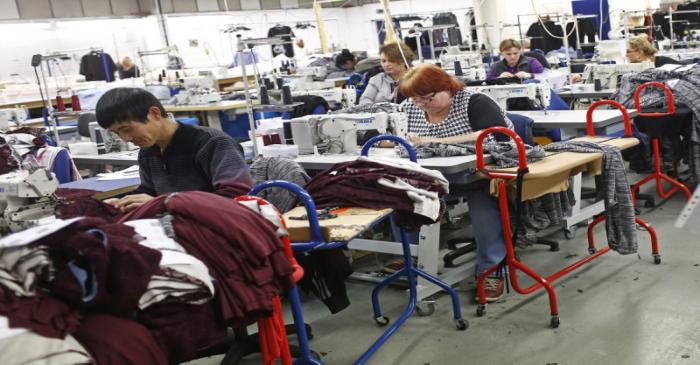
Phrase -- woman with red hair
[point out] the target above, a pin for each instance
(441, 110)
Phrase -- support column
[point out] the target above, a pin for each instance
(321, 27)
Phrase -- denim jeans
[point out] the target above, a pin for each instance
(488, 229)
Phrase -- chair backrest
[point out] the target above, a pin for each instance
(84, 123)
(523, 126)
(539, 57)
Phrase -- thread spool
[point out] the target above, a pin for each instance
(264, 97)
(75, 102)
(597, 86)
(60, 105)
(280, 83)
(268, 83)
(458, 69)
(286, 95)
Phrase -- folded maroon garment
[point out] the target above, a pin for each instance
(80, 203)
(182, 329)
(240, 247)
(121, 268)
(117, 341)
(41, 313)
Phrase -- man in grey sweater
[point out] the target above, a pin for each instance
(173, 157)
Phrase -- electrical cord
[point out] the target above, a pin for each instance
(573, 29)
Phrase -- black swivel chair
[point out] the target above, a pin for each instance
(538, 56)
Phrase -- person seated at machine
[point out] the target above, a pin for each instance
(396, 59)
(173, 157)
(639, 49)
(514, 63)
(440, 109)
(345, 63)
(126, 69)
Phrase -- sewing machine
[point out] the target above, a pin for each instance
(26, 198)
(195, 96)
(337, 133)
(466, 59)
(12, 115)
(609, 75)
(471, 74)
(539, 93)
(316, 72)
(345, 97)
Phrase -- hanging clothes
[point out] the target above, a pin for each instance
(539, 32)
(446, 37)
(286, 32)
(93, 69)
(586, 33)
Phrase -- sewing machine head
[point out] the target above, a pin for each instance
(26, 198)
(610, 74)
(540, 93)
(466, 59)
(12, 115)
(337, 133)
(316, 72)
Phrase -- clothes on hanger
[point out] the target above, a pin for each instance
(586, 33)
(539, 32)
(446, 37)
(286, 32)
(92, 68)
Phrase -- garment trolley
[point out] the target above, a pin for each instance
(411, 272)
(511, 262)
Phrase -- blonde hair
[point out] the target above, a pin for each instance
(508, 44)
(642, 44)
(391, 50)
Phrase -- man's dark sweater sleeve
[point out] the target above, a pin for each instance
(220, 159)
(146, 186)
(484, 113)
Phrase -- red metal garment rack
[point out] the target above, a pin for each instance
(511, 263)
(658, 175)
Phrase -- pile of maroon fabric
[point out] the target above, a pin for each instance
(240, 248)
(100, 273)
(80, 203)
(7, 162)
(355, 184)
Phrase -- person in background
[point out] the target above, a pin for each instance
(383, 87)
(345, 63)
(173, 157)
(514, 63)
(441, 110)
(639, 49)
(126, 69)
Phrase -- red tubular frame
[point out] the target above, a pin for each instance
(658, 175)
(512, 263)
(625, 116)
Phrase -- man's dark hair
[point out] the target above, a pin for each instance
(124, 104)
(344, 56)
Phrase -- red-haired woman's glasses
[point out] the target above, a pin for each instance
(423, 99)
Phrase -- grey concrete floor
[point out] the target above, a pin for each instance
(616, 310)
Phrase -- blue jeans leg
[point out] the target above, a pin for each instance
(488, 230)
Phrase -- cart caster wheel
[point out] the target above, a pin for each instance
(461, 324)
(649, 204)
(657, 259)
(570, 233)
(592, 250)
(382, 321)
(480, 310)
(554, 247)
(425, 309)
(554, 322)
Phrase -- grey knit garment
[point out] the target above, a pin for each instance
(278, 168)
(503, 153)
(686, 91)
(387, 107)
(540, 213)
(617, 197)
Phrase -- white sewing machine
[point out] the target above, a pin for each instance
(337, 133)
(345, 97)
(12, 115)
(471, 74)
(539, 93)
(26, 198)
(316, 72)
(610, 74)
(196, 96)
(466, 59)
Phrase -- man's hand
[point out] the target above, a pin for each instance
(523, 75)
(505, 74)
(129, 202)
